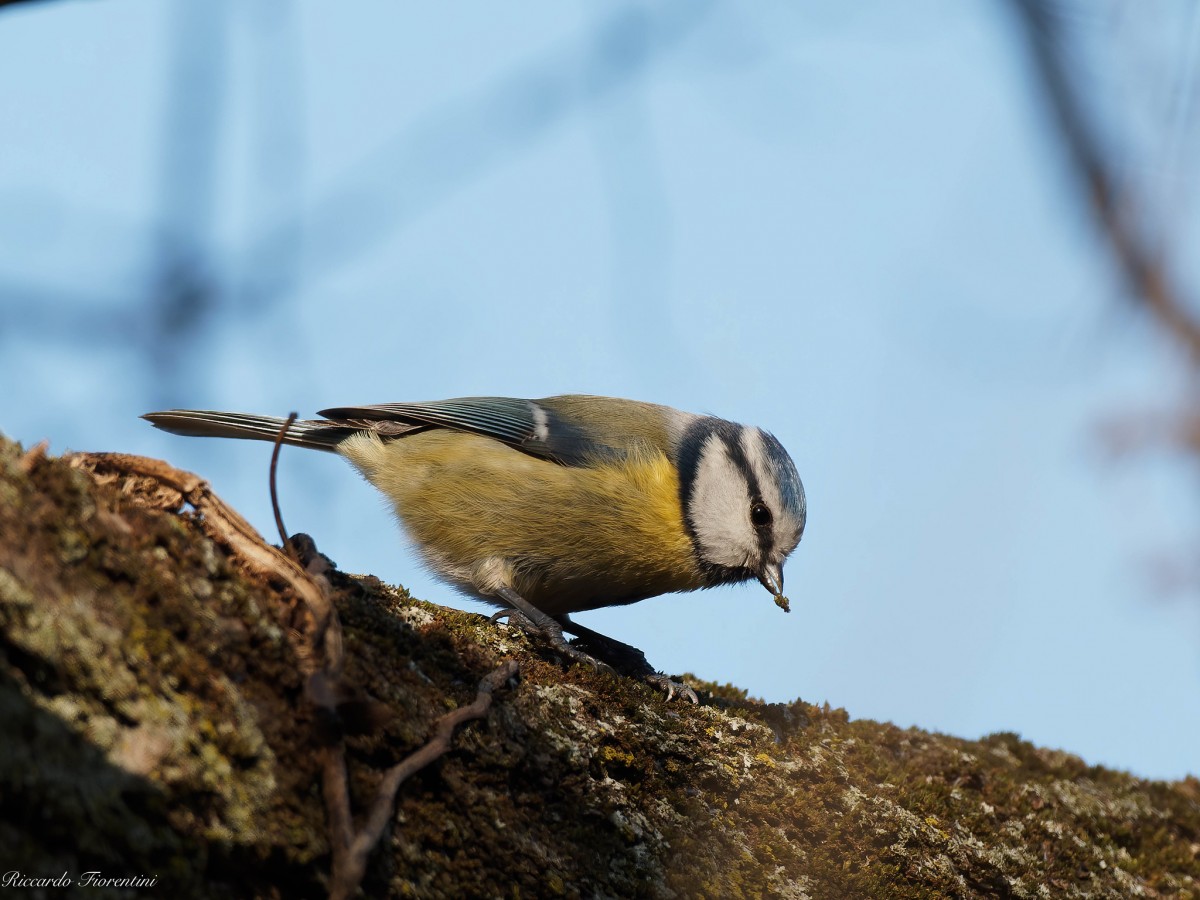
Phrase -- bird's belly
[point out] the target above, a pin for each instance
(567, 538)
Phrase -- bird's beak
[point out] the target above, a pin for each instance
(770, 576)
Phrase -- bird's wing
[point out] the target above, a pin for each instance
(524, 424)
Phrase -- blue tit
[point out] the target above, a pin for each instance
(555, 506)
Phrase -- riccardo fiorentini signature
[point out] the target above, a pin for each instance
(16, 879)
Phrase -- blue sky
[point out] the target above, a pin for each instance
(849, 227)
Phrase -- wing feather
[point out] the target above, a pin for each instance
(522, 424)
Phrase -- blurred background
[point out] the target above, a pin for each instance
(946, 251)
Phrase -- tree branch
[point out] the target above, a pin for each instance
(1144, 269)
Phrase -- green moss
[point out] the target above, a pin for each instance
(157, 693)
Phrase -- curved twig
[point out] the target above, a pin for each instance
(350, 850)
(283, 533)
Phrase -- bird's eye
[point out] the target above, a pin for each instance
(760, 516)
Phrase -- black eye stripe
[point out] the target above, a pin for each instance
(737, 456)
(733, 447)
(693, 443)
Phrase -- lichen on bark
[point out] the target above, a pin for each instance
(155, 723)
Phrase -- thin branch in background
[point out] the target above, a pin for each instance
(427, 162)
(1138, 244)
(437, 155)
(277, 154)
(184, 288)
(184, 284)
(1144, 269)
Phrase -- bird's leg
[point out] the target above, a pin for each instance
(626, 659)
(533, 619)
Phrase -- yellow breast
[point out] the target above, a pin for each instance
(566, 538)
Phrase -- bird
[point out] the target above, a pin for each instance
(564, 504)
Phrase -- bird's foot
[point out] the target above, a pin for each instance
(552, 634)
(627, 660)
(671, 687)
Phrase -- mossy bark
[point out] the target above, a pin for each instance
(153, 723)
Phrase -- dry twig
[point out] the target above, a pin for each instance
(350, 850)
(283, 535)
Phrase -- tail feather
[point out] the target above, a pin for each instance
(313, 433)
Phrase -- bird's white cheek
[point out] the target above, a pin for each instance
(719, 547)
(721, 522)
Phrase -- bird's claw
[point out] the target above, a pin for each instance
(574, 654)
